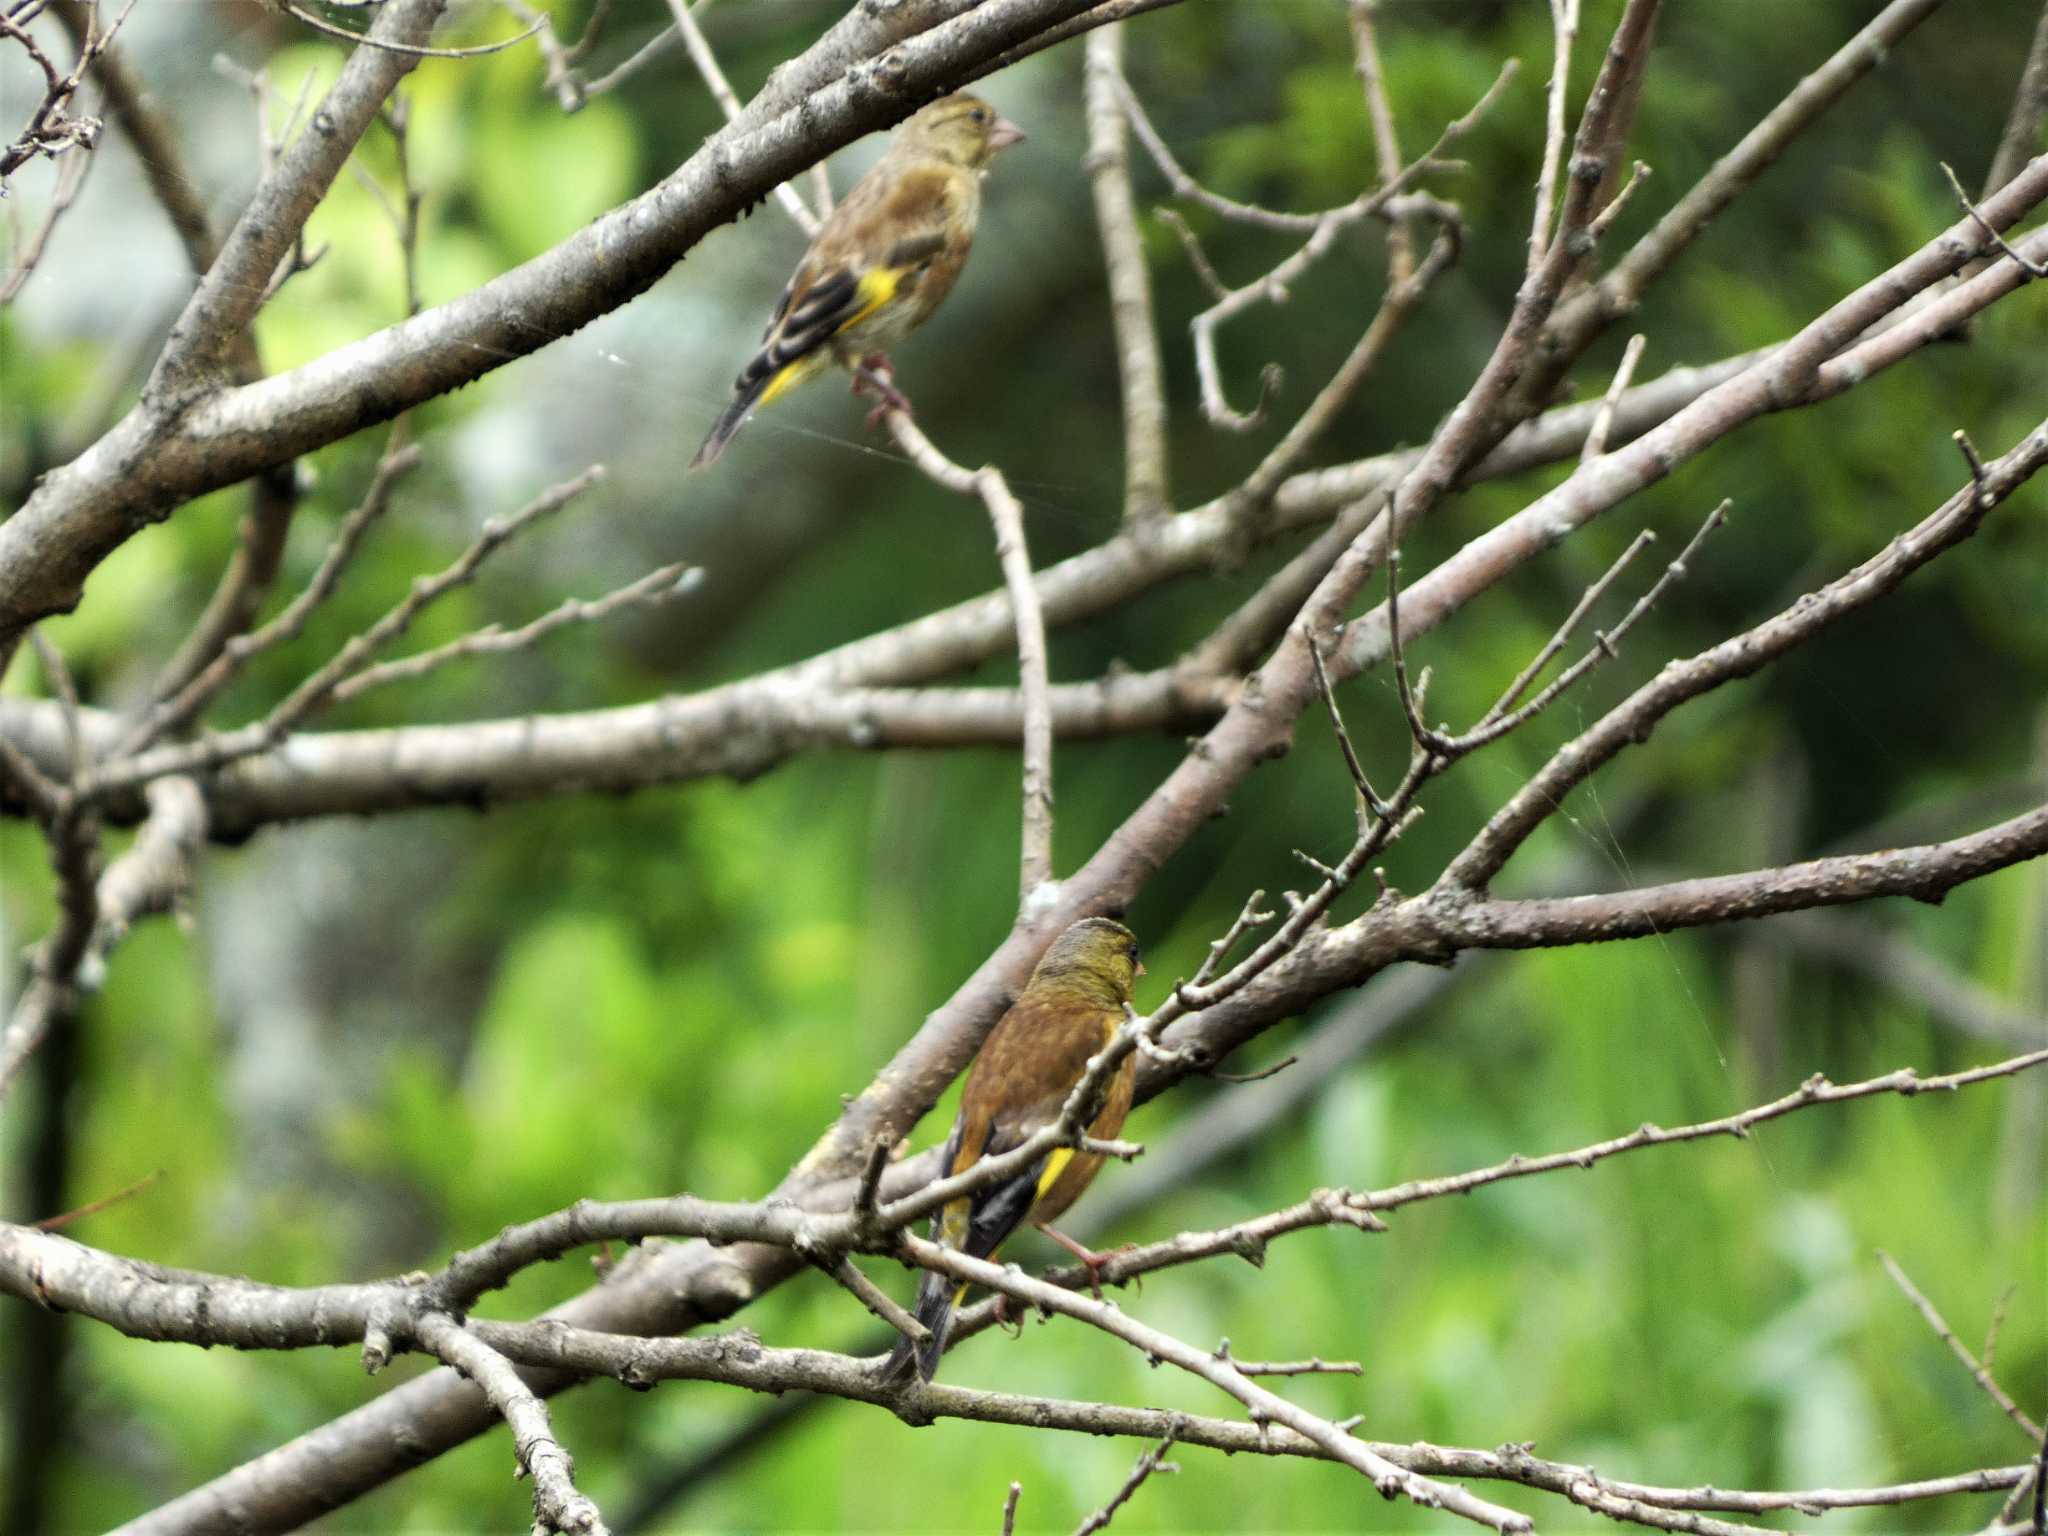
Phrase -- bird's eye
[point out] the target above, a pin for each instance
(978, 115)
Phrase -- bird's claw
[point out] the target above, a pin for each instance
(1092, 1260)
(1013, 1326)
(874, 376)
(1095, 1263)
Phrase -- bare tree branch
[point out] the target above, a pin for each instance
(157, 150)
(235, 651)
(1633, 720)
(1587, 312)
(235, 283)
(682, 738)
(1564, 26)
(2029, 106)
(323, 686)
(209, 1309)
(1130, 281)
(1007, 517)
(699, 49)
(1152, 1461)
(176, 445)
(1947, 1335)
(1379, 112)
(557, 1506)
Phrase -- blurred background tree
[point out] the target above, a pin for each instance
(374, 1040)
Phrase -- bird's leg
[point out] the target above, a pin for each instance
(1089, 1257)
(873, 375)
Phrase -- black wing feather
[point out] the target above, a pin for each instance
(993, 1213)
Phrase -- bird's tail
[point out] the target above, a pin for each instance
(937, 1295)
(746, 394)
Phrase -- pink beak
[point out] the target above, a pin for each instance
(1004, 134)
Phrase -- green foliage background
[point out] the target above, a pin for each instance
(382, 1040)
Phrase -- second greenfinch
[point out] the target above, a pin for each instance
(1028, 1066)
(880, 265)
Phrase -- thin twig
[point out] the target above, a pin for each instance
(2021, 138)
(1386, 143)
(70, 182)
(1564, 26)
(1266, 1406)
(400, 458)
(1363, 1210)
(42, 794)
(2031, 268)
(1606, 643)
(57, 673)
(875, 1299)
(557, 1505)
(1254, 1077)
(410, 50)
(316, 691)
(1197, 257)
(1740, 656)
(1563, 634)
(1130, 281)
(647, 53)
(94, 1207)
(562, 76)
(729, 103)
(1596, 440)
(1499, 721)
(1006, 514)
(1254, 497)
(1248, 918)
(1316, 1365)
(1322, 230)
(1368, 798)
(1596, 231)
(1958, 1348)
(1152, 1461)
(1997, 1325)
(650, 591)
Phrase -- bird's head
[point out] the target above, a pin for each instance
(1095, 958)
(963, 129)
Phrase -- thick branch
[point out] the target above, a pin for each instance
(831, 700)
(149, 464)
(1747, 653)
(237, 281)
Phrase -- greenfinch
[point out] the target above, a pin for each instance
(880, 265)
(1027, 1068)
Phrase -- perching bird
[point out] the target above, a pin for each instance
(1027, 1067)
(881, 264)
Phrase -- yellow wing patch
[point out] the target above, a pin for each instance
(874, 290)
(1055, 1164)
(799, 372)
(877, 287)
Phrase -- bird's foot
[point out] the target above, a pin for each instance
(1093, 1260)
(873, 375)
(1013, 1326)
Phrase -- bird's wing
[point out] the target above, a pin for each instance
(1019, 1084)
(876, 245)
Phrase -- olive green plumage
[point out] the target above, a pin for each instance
(1028, 1066)
(883, 260)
